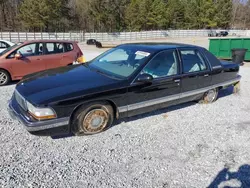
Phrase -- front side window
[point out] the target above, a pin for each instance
(192, 61)
(120, 62)
(27, 50)
(53, 48)
(163, 64)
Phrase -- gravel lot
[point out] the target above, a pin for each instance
(182, 146)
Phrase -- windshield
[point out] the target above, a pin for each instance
(9, 49)
(120, 62)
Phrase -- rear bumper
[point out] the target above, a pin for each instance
(52, 127)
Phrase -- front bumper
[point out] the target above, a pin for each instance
(54, 127)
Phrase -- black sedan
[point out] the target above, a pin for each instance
(91, 42)
(125, 81)
(222, 33)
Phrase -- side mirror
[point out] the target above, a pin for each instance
(146, 78)
(18, 56)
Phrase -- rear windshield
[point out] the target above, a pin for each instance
(212, 59)
(9, 49)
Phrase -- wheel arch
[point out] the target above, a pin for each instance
(7, 72)
(110, 102)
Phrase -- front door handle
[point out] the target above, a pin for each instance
(177, 81)
(206, 75)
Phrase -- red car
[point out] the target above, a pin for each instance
(34, 56)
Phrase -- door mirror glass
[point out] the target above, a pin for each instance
(18, 56)
(145, 78)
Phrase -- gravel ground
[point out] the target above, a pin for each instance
(190, 145)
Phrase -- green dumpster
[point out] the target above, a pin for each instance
(222, 47)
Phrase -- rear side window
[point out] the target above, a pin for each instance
(192, 61)
(68, 47)
(53, 48)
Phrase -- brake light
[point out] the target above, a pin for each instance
(81, 59)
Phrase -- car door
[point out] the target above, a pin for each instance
(53, 54)
(69, 55)
(30, 61)
(164, 89)
(195, 73)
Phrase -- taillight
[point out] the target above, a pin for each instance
(81, 59)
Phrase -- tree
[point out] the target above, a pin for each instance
(122, 15)
(44, 14)
(8, 15)
(224, 13)
(176, 13)
(158, 17)
(132, 18)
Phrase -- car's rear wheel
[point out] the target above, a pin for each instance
(210, 96)
(4, 77)
(93, 118)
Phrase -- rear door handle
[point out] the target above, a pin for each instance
(206, 75)
(177, 81)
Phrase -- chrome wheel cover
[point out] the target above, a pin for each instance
(210, 95)
(3, 78)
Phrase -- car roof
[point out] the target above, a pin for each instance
(6, 41)
(155, 46)
(49, 40)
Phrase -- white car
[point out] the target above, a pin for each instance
(4, 44)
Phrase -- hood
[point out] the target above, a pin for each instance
(63, 83)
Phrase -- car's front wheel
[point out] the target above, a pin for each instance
(4, 77)
(93, 118)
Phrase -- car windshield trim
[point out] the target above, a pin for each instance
(120, 66)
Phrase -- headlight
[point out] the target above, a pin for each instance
(41, 113)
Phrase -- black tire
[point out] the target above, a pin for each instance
(98, 44)
(4, 77)
(85, 116)
(210, 96)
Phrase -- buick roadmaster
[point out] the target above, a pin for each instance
(127, 80)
